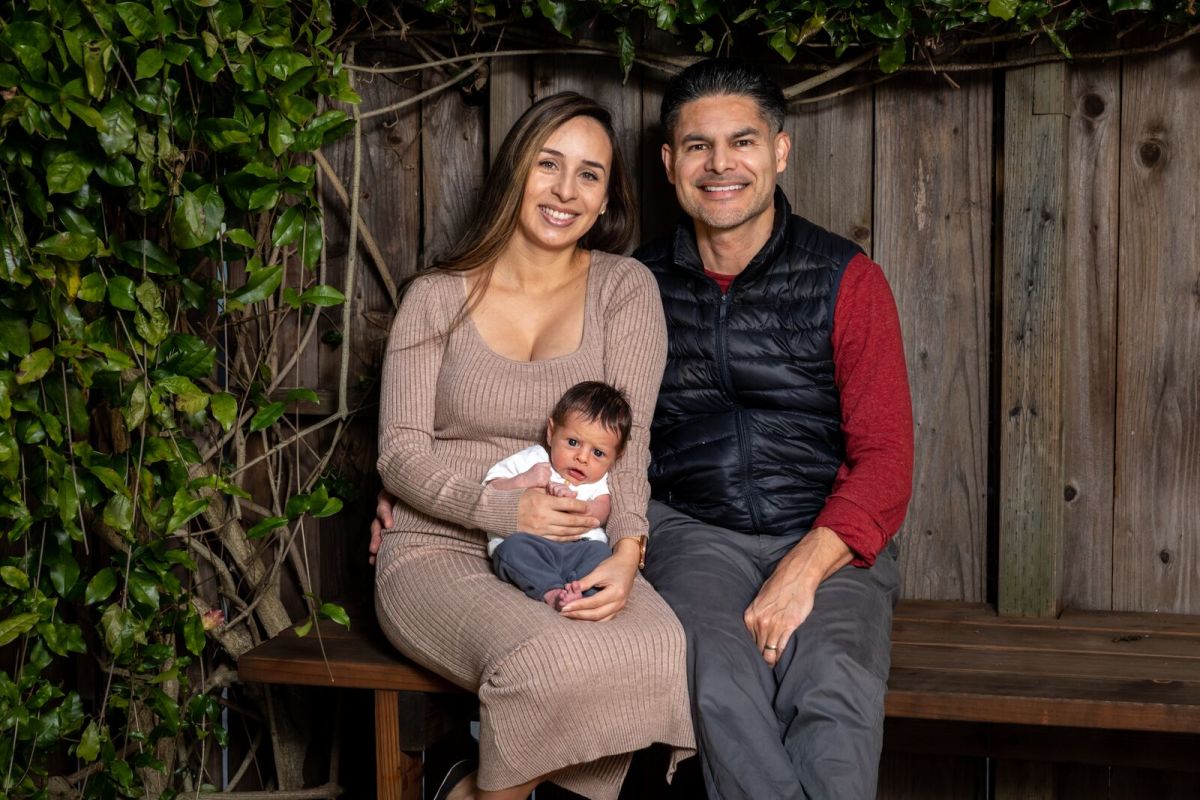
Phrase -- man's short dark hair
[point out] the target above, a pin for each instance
(597, 402)
(722, 76)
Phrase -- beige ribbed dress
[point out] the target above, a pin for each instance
(556, 695)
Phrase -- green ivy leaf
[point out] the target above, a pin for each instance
(288, 227)
(198, 217)
(266, 416)
(261, 284)
(143, 589)
(193, 632)
(120, 293)
(556, 12)
(88, 749)
(1002, 9)
(241, 237)
(283, 62)
(138, 19)
(265, 526)
(336, 613)
(781, 44)
(14, 335)
(892, 57)
(34, 365)
(67, 172)
(69, 246)
(100, 586)
(224, 409)
(121, 630)
(121, 127)
(280, 134)
(304, 628)
(118, 513)
(117, 172)
(16, 625)
(149, 62)
(16, 578)
(185, 508)
(322, 295)
(145, 254)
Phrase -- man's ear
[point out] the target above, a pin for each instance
(783, 146)
(668, 159)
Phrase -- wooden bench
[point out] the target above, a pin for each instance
(950, 662)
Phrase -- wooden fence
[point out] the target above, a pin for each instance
(1039, 229)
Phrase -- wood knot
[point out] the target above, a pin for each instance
(1151, 151)
(1093, 105)
(1070, 493)
(1165, 556)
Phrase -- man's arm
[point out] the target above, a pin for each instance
(870, 493)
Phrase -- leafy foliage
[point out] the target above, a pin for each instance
(141, 142)
(899, 28)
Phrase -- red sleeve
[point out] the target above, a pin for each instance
(872, 488)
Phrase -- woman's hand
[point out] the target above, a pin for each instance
(560, 519)
(383, 520)
(614, 578)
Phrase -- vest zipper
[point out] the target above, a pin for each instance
(727, 376)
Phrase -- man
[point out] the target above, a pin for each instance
(781, 456)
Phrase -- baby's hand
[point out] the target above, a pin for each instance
(560, 490)
(536, 476)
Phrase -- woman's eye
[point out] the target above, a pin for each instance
(590, 176)
(547, 164)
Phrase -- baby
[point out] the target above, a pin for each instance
(586, 433)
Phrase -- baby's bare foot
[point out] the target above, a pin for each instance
(570, 593)
(554, 599)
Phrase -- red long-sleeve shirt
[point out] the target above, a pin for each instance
(871, 490)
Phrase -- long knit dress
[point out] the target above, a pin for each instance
(568, 697)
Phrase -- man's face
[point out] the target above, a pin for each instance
(723, 161)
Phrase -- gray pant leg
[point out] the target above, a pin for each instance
(709, 575)
(832, 680)
(536, 565)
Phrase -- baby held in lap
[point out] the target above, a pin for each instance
(585, 434)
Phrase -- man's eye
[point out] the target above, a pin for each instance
(572, 442)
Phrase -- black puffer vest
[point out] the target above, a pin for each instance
(747, 432)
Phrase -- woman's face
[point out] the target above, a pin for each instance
(568, 186)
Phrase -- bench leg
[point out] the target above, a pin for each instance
(397, 773)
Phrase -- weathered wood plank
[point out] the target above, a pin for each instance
(509, 93)
(829, 176)
(1030, 424)
(932, 236)
(452, 167)
(1089, 335)
(1157, 517)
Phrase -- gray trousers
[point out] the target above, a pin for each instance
(809, 728)
(536, 565)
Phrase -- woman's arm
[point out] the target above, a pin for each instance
(407, 396)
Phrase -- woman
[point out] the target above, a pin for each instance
(527, 305)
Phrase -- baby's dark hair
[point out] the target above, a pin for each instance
(597, 402)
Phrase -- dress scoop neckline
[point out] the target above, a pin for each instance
(583, 338)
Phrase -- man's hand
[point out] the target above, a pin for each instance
(614, 578)
(786, 599)
(383, 520)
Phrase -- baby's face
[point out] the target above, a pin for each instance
(581, 450)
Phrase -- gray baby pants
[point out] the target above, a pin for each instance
(536, 565)
(811, 728)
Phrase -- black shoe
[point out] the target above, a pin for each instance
(458, 771)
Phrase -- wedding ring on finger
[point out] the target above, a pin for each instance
(770, 647)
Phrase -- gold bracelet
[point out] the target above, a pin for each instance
(642, 552)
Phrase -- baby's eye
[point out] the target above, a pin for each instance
(572, 442)
(598, 453)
